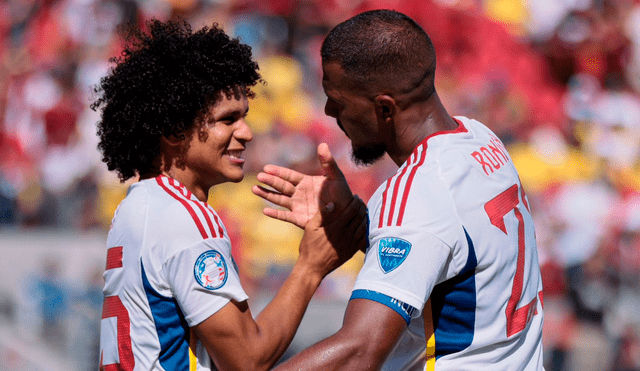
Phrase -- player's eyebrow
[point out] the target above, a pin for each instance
(231, 113)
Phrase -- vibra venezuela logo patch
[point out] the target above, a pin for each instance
(392, 252)
(210, 270)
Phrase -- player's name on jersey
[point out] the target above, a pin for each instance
(491, 156)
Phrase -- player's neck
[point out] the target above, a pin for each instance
(416, 124)
(168, 164)
(189, 181)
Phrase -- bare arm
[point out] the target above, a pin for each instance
(235, 341)
(369, 333)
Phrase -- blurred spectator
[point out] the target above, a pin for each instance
(52, 302)
(87, 312)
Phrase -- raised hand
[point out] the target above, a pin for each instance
(303, 195)
(331, 238)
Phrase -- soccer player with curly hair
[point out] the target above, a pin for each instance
(173, 115)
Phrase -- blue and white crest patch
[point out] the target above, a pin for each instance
(210, 270)
(392, 252)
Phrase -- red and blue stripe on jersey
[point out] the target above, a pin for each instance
(453, 301)
(176, 341)
(401, 187)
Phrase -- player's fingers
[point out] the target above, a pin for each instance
(358, 218)
(271, 196)
(279, 184)
(284, 173)
(357, 235)
(324, 214)
(328, 163)
(351, 228)
(283, 215)
(361, 236)
(327, 210)
(348, 214)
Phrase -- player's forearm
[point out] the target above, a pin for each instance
(369, 333)
(279, 320)
(338, 352)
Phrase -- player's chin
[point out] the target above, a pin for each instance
(230, 175)
(367, 155)
(236, 176)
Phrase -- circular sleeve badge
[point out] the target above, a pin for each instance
(210, 270)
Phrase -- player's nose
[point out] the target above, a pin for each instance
(243, 133)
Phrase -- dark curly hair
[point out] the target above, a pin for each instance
(162, 82)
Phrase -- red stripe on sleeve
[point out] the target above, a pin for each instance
(215, 217)
(114, 258)
(184, 203)
(407, 187)
(205, 212)
(460, 129)
(395, 190)
(199, 204)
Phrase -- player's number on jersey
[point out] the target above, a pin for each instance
(113, 307)
(497, 209)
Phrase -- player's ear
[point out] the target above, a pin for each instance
(173, 140)
(385, 106)
(173, 149)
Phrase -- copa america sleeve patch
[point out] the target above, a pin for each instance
(210, 270)
(392, 251)
(403, 309)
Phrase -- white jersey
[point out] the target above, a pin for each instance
(453, 226)
(169, 267)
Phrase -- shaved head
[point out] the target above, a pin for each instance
(383, 51)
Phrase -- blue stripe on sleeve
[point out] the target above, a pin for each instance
(403, 309)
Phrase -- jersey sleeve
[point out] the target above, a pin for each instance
(404, 268)
(203, 278)
(414, 237)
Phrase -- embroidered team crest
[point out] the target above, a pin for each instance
(392, 252)
(210, 270)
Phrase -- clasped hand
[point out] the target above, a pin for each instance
(342, 215)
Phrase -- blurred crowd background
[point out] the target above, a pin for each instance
(557, 80)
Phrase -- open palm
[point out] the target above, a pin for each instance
(302, 195)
